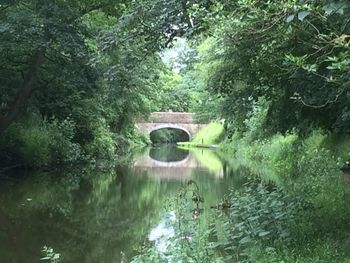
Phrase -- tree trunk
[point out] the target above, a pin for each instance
(24, 91)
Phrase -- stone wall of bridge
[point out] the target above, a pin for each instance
(171, 117)
(175, 120)
(190, 129)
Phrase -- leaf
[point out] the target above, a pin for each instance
(302, 15)
(244, 240)
(4, 28)
(284, 234)
(290, 18)
(337, 7)
(264, 233)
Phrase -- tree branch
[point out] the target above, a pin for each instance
(24, 92)
(317, 106)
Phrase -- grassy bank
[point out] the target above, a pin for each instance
(304, 176)
(207, 137)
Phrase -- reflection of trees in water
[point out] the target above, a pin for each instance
(87, 214)
(84, 212)
(168, 153)
(182, 234)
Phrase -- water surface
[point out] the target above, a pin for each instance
(89, 214)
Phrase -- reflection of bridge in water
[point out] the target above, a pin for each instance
(177, 170)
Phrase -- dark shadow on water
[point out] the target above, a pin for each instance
(168, 153)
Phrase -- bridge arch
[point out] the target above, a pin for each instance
(170, 126)
(174, 120)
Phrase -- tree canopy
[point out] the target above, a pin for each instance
(97, 65)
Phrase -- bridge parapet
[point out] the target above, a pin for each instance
(171, 117)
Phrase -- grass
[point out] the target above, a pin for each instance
(308, 169)
(206, 137)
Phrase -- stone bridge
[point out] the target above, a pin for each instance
(176, 120)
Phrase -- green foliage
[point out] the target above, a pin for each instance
(41, 142)
(257, 216)
(188, 242)
(62, 145)
(210, 134)
(50, 255)
(281, 153)
(168, 136)
(307, 170)
(139, 139)
(88, 61)
(293, 54)
(316, 252)
(35, 143)
(103, 144)
(77, 74)
(255, 124)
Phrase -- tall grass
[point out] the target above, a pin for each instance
(309, 169)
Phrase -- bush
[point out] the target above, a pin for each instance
(39, 142)
(309, 169)
(103, 144)
(62, 147)
(140, 139)
(256, 120)
(35, 145)
(315, 140)
(281, 153)
(257, 217)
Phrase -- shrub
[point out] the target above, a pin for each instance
(210, 134)
(62, 147)
(339, 145)
(103, 144)
(281, 153)
(315, 140)
(140, 139)
(35, 145)
(39, 142)
(257, 216)
(255, 123)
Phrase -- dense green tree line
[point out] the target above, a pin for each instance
(288, 58)
(76, 74)
(82, 72)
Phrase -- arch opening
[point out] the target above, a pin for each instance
(169, 135)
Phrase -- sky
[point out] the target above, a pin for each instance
(170, 55)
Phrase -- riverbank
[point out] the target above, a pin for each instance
(293, 206)
(208, 137)
(304, 176)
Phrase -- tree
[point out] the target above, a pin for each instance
(296, 55)
(40, 39)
